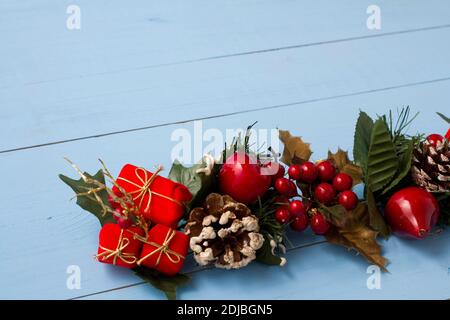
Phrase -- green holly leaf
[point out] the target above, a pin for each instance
(166, 284)
(363, 134)
(265, 255)
(376, 220)
(443, 117)
(382, 161)
(403, 168)
(88, 202)
(199, 184)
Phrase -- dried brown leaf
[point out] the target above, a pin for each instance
(354, 233)
(343, 164)
(295, 149)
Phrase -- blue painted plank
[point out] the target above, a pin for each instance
(117, 36)
(50, 93)
(96, 105)
(44, 232)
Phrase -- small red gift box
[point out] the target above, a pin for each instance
(118, 246)
(165, 250)
(159, 199)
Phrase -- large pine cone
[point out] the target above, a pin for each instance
(223, 232)
(431, 166)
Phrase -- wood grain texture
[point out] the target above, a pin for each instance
(62, 84)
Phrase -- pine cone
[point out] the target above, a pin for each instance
(431, 166)
(223, 232)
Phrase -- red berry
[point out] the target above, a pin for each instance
(308, 172)
(294, 171)
(297, 208)
(280, 173)
(319, 224)
(300, 222)
(434, 139)
(282, 215)
(447, 135)
(273, 169)
(292, 189)
(348, 199)
(124, 223)
(326, 170)
(325, 193)
(342, 182)
(283, 186)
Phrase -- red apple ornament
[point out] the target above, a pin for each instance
(240, 177)
(412, 212)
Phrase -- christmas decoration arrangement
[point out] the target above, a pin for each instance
(235, 210)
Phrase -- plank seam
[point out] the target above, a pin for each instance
(279, 106)
(245, 53)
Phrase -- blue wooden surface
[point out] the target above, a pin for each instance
(306, 66)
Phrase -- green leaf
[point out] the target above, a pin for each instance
(199, 184)
(363, 133)
(265, 255)
(382, 162)
(376, 220)
(404, 167)
(161, 282)
(88, 202)
(443, 117)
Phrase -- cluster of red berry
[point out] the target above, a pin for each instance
(322, 184)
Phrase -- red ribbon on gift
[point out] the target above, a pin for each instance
(163, 248)
(144, 188)
(128, 258)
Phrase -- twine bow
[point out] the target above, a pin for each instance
(128, 258)
(144, 188)
(163, 249)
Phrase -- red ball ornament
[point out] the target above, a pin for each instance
(300, 222)
(342, 182)
(319, 224)
(348, 199)
(282, 215)
(412, 212)
(294, 171)
(434, 139)
(326, 169)
(240, 177)
(308, 172)
(324, 193)
(297, 208)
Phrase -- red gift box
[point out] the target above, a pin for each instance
(158, 199)
(118, 246)
(165, 250)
